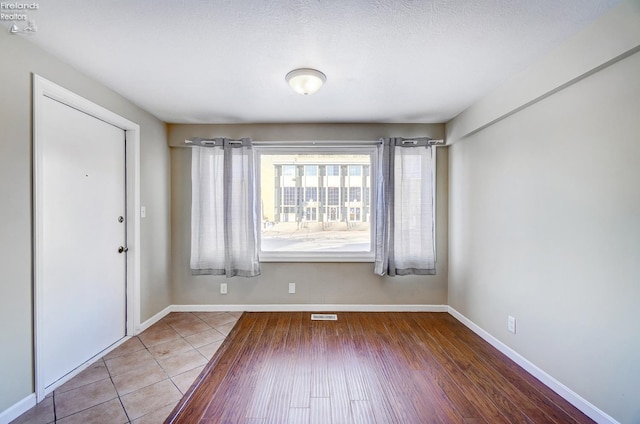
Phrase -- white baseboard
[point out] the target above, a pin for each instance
(572, 397)
(18, 409)
(310, 308)
(289, 308)
(157, 317)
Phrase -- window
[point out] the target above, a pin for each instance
(316, 203)
(333, 170)
(310, 203)
(355, 194)
(289, 196)
(311, 194)
(288, 171)
(355, 170)
(311, 170)
(334, 196)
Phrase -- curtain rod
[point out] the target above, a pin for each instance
(311, 143)
(213, 141)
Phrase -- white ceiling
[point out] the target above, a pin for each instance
(224, 61)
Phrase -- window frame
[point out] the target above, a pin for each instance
(317, 148)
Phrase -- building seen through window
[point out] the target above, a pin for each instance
(315, 202)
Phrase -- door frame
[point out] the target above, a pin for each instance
(44, 88)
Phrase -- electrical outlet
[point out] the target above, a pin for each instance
(511, 324)
(223, 288)
(292, 288)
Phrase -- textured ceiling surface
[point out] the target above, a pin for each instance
(224, 61)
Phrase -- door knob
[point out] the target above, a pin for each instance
(122, 249)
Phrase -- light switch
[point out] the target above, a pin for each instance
(143, 211)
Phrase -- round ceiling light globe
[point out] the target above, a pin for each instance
(305, 80)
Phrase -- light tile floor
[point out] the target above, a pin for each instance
(143, 379)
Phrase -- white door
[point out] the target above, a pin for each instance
(83, 276)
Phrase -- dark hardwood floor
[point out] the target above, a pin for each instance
(365, 368)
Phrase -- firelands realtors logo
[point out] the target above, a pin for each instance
(16, 11)
(19, 12)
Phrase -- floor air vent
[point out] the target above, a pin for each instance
(324, 317)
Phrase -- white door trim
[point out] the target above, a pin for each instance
(44, 88)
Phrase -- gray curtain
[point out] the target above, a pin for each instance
(223, 214)
(405, 220)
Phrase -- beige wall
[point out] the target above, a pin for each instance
(545, 220)
(20, 59)
(316, 283)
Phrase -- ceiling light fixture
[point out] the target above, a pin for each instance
(305, 81)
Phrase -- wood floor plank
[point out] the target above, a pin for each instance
(402, 368)
(301, 391)
(284, 362)
(356, 384)
(270, 371)
(340, 399)
(301, 388)
(319, 360)
(384, 381)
